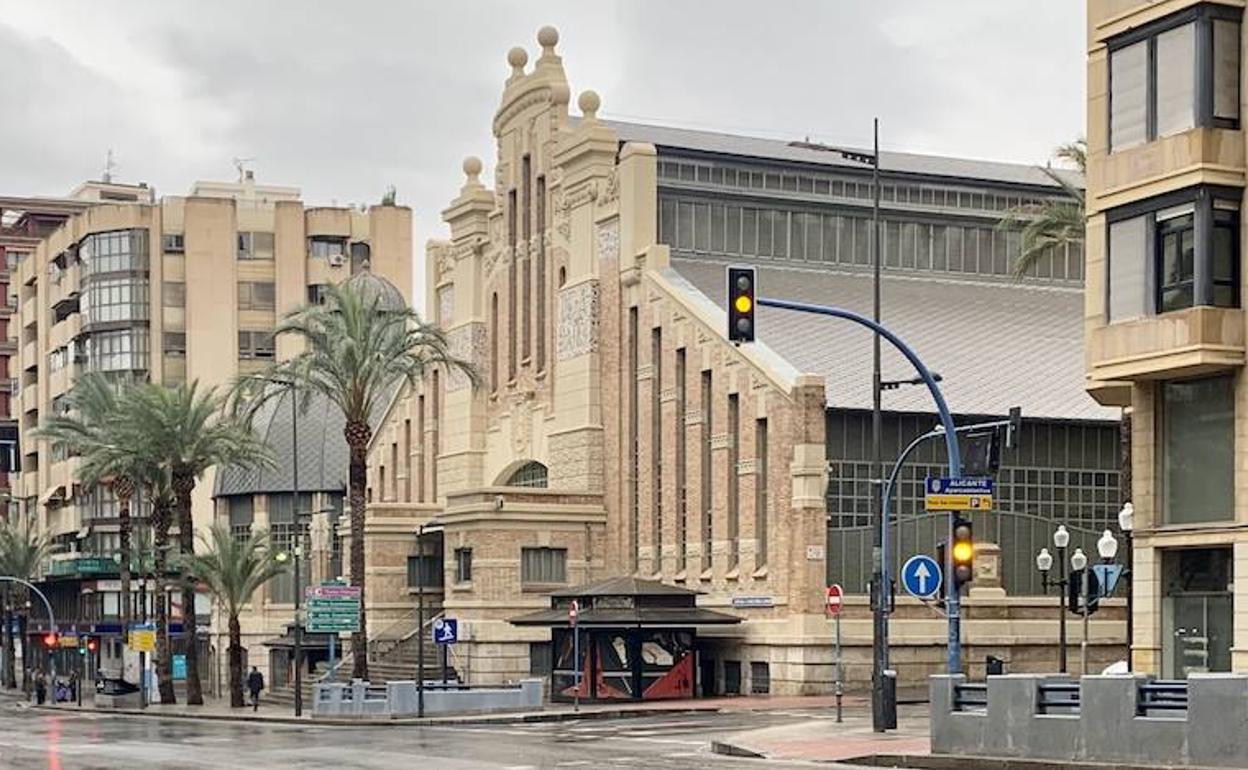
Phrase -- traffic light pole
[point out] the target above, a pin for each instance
(51, 617)
(949, 430)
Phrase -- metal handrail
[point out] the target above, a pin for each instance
(970, 695)
(1162, 695)
(1059, 695)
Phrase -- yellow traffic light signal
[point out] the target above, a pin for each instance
(963, 552)
(741, 284)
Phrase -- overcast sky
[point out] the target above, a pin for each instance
(343, 99)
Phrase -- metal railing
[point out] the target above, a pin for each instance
(970, 696)
(1059, 698)
(1165, 695)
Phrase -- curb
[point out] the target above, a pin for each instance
(469, 719)
(734, 750)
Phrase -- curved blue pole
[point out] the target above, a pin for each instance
(952, 599)
(51, 617)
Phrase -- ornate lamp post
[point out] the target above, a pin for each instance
(1044, 563)
(1126, 523)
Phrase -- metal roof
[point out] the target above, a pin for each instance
(996, 344)
(625, 585)
(966, 169)
(639, 616)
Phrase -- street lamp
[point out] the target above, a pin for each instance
(1126, 523)
(1079, 563)
(1044, 563)
(420, 620)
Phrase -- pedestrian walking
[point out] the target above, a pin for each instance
(255, 683)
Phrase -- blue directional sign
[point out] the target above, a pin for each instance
(445, 631)
(921, 576)
(958, 494)
(1107, 576)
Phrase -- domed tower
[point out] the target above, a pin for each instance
(373, 286)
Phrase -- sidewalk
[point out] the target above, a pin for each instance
(274, 714)
(823, 739)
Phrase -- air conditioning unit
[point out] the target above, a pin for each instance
(337, 260)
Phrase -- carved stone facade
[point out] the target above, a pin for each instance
(561, 294)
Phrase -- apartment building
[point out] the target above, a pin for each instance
(176, 289)
(1164, 319)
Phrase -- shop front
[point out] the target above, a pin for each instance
(630, 639)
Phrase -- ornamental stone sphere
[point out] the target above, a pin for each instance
(548, 37)
(589, 103)
(517, 57)
(472, 167)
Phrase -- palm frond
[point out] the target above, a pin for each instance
(232, 568)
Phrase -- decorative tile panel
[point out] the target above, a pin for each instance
(468, 342)
(608, 239)
(578, 320)
(446, 306)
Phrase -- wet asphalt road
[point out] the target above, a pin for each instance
(37, 740)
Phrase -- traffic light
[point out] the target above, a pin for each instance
(981, 453)
(49, 640)
(1015, 428)
(741, 281)
(963, 552)
(1074, 591)
(92, 644)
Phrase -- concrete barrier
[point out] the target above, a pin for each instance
(399, 699)
(1110, 723)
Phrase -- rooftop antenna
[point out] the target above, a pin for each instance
(241, 165)
(109, 166)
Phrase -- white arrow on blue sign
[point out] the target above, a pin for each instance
(921, 576)
(445, 631)
(1107, 575)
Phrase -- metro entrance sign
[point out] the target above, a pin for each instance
(333, 608)
(958, 494)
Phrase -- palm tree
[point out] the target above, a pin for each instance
(358, 347)
(187, 431)
(233, 568)
(91, 429)
(1051, 224)
(22, 552)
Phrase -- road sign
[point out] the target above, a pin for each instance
(961, 494)
(921, 576)
(179, 667)
(333, 608)
(445, 631)
(143, 638)
(1107, 576)
(834, 600)
(574, 610)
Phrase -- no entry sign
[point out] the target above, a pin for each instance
(834, 600)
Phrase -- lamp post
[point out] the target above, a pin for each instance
(1079, 563)
(420, 620)
(1126, 523)
(1044, 563)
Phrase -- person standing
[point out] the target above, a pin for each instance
(41, 688)
(255, 683)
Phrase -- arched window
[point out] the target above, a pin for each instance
(494, 342)
(532, 474)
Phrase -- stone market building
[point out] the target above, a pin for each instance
(617, 433)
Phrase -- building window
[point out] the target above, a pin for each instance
(656, 446)
(532, 475)
(634, 439)
(540, 206)
(256, 296)
(734, 479)
(173, 243)
(494, 342)
(115, 300)
(543, 565)
(242, 512)
(317, 293)
(118, 251)
(761, 500)
(118, 351)
(682, 470)
(760, 677)
(526, 176)
(174, 343)
(328, 248)
(424, 571)
(708, 514)
(1198, 450)
(255, 345)
(1172, 252)
(174, 294)
(255, 245)
(1174, 74)
(463, 565)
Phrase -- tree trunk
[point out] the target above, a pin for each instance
(21, 630)
(236, 662)
(354, 432)
(1124, 457)
(160, 537)
(124, 490)
(183, 486)
(10, 665)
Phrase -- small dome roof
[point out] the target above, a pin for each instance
(372, 285)
(323, 456)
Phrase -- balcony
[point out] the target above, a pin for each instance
(1183, 343)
